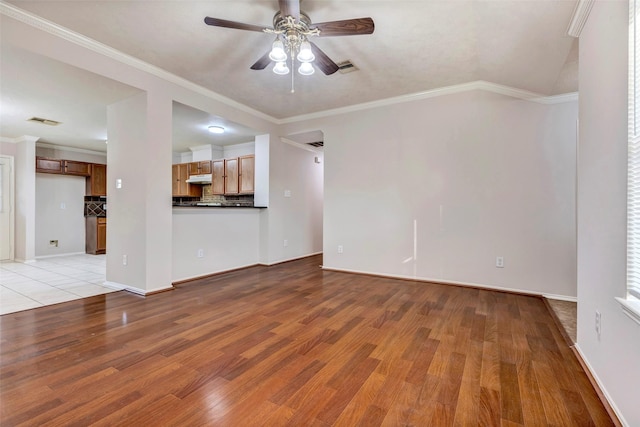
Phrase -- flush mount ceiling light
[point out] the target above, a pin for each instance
(216, 129)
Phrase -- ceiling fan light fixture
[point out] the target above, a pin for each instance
(277, 53)
(305, 54)
(216, 129)
(306, 69)
(281, 68)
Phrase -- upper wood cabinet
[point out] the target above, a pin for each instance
(246, 172)
(200, 168)
(71, 167)
(180, 187)
(97, 181)
(231, 176)
(217, 178)
(49, 165)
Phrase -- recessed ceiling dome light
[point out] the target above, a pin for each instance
(216, 129)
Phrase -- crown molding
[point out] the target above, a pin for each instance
(102, 49)
(448, 90)
(19, 139)
(579, 17)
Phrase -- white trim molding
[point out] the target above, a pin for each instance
(579, 17)
(631, 308)
(137, 291)
(448, 90)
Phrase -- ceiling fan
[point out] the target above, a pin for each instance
(292, 29)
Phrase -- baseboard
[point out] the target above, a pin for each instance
(137, 291)
(606, 400)
(59, 255)
(215, 273)
(561, 297)
(442, 282)
(290, 259)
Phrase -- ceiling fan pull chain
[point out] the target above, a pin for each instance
(292, 71)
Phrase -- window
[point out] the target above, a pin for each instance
(631, 304)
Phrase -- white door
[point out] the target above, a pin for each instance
(6, 207)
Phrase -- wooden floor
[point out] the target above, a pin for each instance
(294, 345)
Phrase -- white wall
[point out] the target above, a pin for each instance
(59, 214)
(602, 178)
(479, 174)
(229, 239)
(237, 150)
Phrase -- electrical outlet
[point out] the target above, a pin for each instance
(53, 243)
(287, 193)
(125, 260)
(598, 323)
(63, 205)
(200, 253)
(499, 262)
(286, 243)
(340, 249)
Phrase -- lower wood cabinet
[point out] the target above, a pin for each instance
(96, 235)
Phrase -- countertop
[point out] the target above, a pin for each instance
(215, 205)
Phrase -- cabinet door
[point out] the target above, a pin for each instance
(175, 180)
(49, 165)
(71, 167)
(204, 167)
(194, 168)
(217, 178)
(101, 246)
(97, 182)
(246, 174)
(231, 176)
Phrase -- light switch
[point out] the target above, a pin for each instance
(118, 183)
(287, 193)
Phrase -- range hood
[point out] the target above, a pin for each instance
(200, 179)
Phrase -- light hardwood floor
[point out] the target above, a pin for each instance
(294, 345)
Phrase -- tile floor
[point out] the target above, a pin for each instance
(50, 281)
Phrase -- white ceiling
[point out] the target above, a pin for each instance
(416, 46)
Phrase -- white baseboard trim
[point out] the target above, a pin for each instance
(134, 290)
(24, 261)
(59, 255)
(603, 390)
(290, 259)
(561, 297)
(213, 273)
(444, 282)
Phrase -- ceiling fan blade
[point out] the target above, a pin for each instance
(348, 27)
(232, 24)
(322, 61)
(262, 63)
(290, 8)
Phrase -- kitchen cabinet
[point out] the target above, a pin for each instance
(96, 235)
(49, 165)
(246, 172)
(217, 177)
(180, 187)
(200, 168)
(96, 184)
(61, 166)
(71, 167)
(231, 176)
